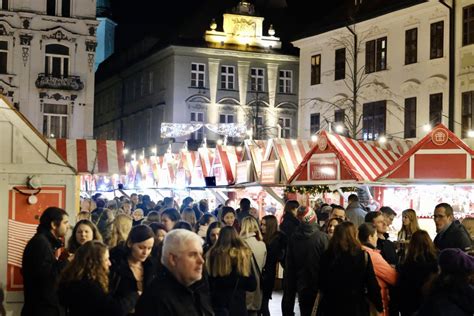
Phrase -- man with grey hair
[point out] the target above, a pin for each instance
(174, 291)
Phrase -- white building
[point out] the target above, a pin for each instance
(403, 73)
(236, 74)
(47, 52)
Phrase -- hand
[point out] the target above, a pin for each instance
(70, 257)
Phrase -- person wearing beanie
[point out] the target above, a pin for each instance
(305, 248)
(452, 292)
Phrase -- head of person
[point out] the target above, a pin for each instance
(138, 214)
(420, 248)
(377, 219)
(230, 202)
(91, 262)
(244, 205)
(187, 201)
(100, 203)
(121, 227)
(269, 227)
(388, 213)
(344, 240)
(169, 217)
(409, 221)
(152, 217)
(54, 220)
(454, 261)
(254, 212)
(203, 206)
(189, 216)
(353, 198)
(249, 227)
(443, 216)
(212, 233)
(206, 219)
(83, 231)
(183, 225)
(83, 215)
(182, 256)
(338, 212)
(228, 215)
(331, 225)
(367, 234)
(146, 199)
(291, 207)
(306, 215)
(139, 243)
(159, 230)
(134, 198)
(168, 202)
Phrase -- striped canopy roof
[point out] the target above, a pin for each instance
(290, 152)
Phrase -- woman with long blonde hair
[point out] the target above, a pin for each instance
(84, 284)
(409, 226)
(228, 263)
(121, 227)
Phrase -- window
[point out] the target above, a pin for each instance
(3, 57)
(436, 108)
(4, 4)
(411, 46)
(376, 55)
(468, 25)
(340, 64)
(285, 124)
(257, 78)
(198, 72)
(57, 61)
(315, 123)
(373, 116)
(467, 112)
(410, 118)
(197, 117)
(315, 69)
(226, 118)
(51, 7)
(66, 8)
(55, 120)
(286, 81)
(436, 40)
(227, 77)
(259, 121)
(150, 81)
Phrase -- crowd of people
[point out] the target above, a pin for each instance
(166, 259)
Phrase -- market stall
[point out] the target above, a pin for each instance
(33, 176)
(225, 163)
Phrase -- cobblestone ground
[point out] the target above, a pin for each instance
(275, 304)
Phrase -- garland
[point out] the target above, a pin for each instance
(315, 189)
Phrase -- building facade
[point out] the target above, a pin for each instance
(47, 52)
(105, 32)
(236, 75)
(399, 83)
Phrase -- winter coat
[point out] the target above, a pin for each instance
(275, 253)
(388, 251)
(122, 280)
(355, 213)
(385, 273)
(288, 226)
(87, 297)
(305, 249)
(344, 281)
(40, 270)
(412, 277)
(228, 293)
(103, 219)
(167, 297)
(456, 236)
(259, 252)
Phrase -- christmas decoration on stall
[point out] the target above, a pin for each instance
(315, 189)
(228, 129)
(172, 130)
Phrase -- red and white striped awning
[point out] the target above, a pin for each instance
(290, 152)
(226, 159)
(185, 168)
(92, 156)
(397, 146)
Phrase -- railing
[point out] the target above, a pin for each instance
(63, 83)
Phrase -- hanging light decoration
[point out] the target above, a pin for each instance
(228, 129)
(172, 130)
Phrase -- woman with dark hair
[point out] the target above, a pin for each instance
(188, 215)
(274, 240)
(83, 231)
(84, 284)
(133, 268)
(212, 235)
(228, 263)
(183, 225)
(203, 224)
(419, 267)
(331, 225)
(385, 273)
(346, 277)
(169, 217)
(229, 217)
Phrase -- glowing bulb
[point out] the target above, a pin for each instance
(239, 148)
(142, 157)
(382, 139)
(51, 135)
(314, 138)
(427, 127)
(470, 133)
(134, 156)
(293, 142)
(153, 150)
(219, 142)
(249, 132)
(125, 151)
(339, 128)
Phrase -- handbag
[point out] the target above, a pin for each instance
(372, 310)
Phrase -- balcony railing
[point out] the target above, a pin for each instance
(63, 83)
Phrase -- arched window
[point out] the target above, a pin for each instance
(56, 61)
(51, 7)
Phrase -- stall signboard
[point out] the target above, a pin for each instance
(243, 172)
(323, 169)
(269, 172)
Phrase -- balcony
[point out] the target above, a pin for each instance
(63, 83)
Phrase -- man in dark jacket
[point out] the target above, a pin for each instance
(386, 247)
(172, 291)
(288, 226)
(244, 210)
(305, 248)
(40, 268)
(451, 233)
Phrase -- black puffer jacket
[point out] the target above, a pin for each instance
(305, 249)
(456, 236)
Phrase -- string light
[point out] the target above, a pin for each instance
(219, 142)
(382, 139)
(339, 128)
(125, 151)
(427, 127)
(470, 133)
(314, 138)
